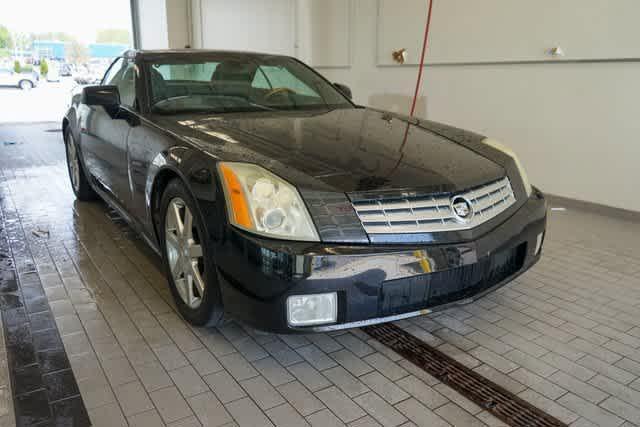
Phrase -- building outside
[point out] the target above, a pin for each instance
(106, 50)
(57, 50)
(49, 49)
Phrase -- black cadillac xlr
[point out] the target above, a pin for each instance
(273, 198)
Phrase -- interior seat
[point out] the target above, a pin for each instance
(160, 90)
(233, 78)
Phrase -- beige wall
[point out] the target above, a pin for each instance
(574, 124)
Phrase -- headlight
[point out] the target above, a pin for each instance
(509, 152)
(264, 203)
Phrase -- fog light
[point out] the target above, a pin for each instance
(539, 243)
(316, 309)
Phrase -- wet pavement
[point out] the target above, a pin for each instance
(47, 101)
(564, 336)
(44, 387)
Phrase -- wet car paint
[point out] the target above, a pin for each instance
(344, 153)
(259, 274)
(345, 150)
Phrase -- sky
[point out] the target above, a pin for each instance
(81, 18)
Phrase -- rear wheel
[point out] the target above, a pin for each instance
(25, 84)
(188, 264)
(79, 183)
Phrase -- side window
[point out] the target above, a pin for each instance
(123, 75)
(260, 81)
(112, 72)
(127, 85)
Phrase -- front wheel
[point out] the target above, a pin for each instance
(25, 84)
(79, 183)
(187, 258)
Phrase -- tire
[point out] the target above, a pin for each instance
(79, 183)
(186, 253)
(25, 84)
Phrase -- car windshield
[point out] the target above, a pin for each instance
(238, 83)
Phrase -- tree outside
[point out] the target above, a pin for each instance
(6, 41)
(77, 53)
(54, 35)
(16, 66)
(44, 67)
(22, 41)
(114, 35)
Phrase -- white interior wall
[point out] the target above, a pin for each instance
(179, 28)
(466, 31)
(323, 32)
(573, 124)
(264, 26)
(152, 24)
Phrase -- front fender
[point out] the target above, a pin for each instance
(197, 172)
(72, 117)
(69, 120)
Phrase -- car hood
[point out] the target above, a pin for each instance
(354, 150)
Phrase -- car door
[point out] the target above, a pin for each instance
(105, 146)
(6, 77)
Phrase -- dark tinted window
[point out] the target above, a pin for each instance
(112, 71)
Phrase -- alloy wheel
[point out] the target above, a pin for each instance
(26, 85)
(184, 253)
(74, 163)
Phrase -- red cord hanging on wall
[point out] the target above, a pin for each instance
(422, 56)
(415, 95)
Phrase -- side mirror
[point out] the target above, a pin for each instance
(107, 96)
(344, 89)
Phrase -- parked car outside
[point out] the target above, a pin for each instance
(24, 81)
(88, 75)
(272, 197)
(66, 70)
(82, 76)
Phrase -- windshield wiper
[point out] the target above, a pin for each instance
(263, 107)
(226, 110)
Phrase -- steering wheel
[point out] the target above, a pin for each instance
(278, 90)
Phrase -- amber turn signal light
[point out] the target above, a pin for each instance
(237, 199)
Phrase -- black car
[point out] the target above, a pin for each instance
(271, 196)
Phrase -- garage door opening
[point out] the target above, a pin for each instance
(53, 50)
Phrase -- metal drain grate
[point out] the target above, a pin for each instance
(495, 399)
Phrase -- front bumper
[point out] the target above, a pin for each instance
(374, 283)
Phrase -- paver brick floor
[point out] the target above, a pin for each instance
(565, 336)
